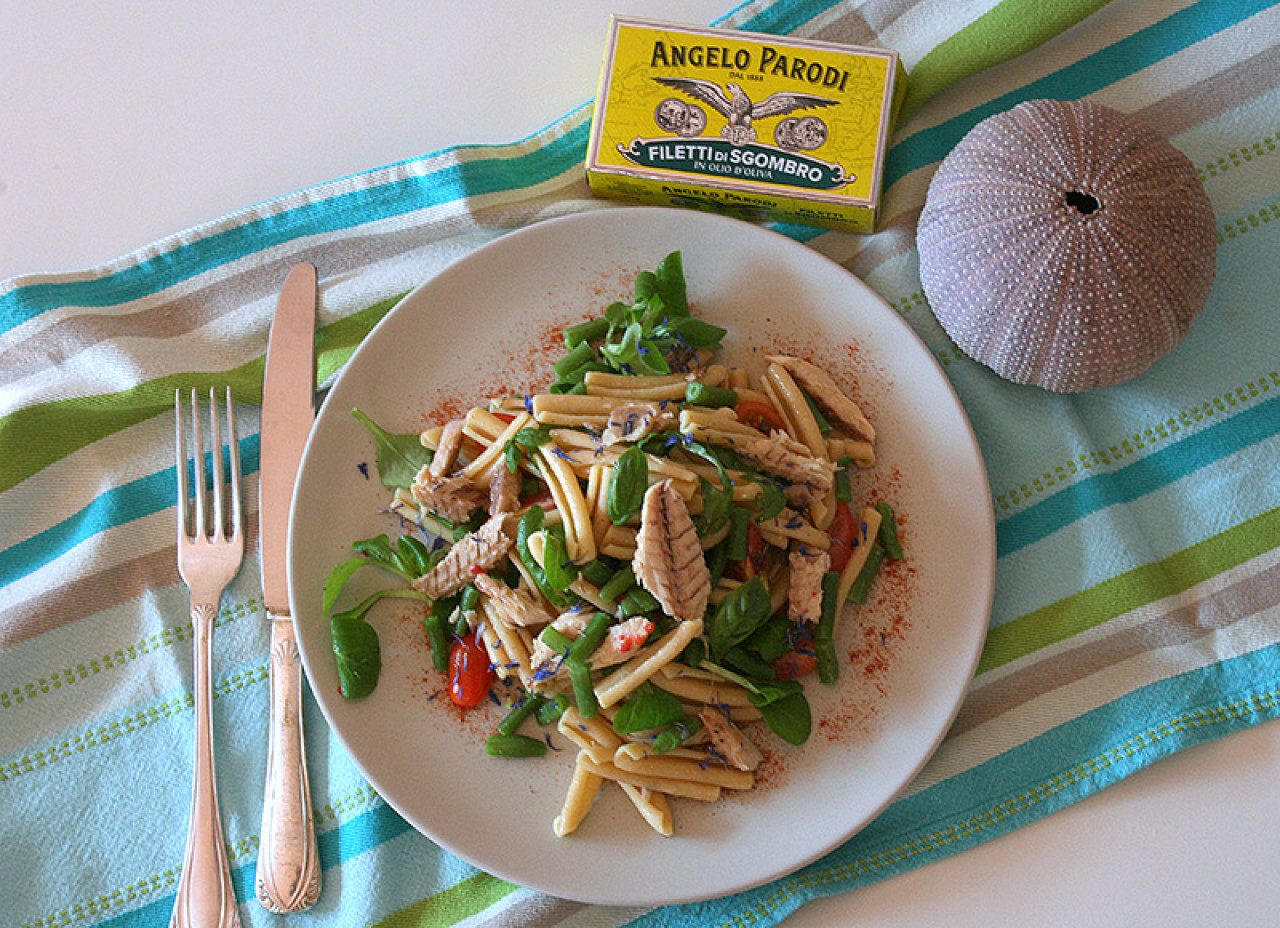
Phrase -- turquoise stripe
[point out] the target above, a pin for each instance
(1023, 784)
(1159, 469)
(1088, 75)
(125, 503)
(785, 18)
(452, 184)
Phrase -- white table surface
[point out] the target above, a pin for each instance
(123, 123)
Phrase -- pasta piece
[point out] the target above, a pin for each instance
(714, 691)
(689, 789)
(791, 403)
(863, 453)
(578, 800)
(580, 542)
(568, 409)
(594, 736)
(619, 541)
(789, 524)
(652, 806)
(626, 678)
(868, 526)
(681, 764)
(481, 468)
(514, 649)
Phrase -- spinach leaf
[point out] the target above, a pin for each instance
(781, 702)
(695, 333)
(648, 708)
(787, 714)
(533, 521)
(337, 580)
(359, 657)
(361, 609)
(716, 505)
(670, 283)
(381, 552)
(627, 485)
(557, 568)
(739, 614)
(399, 457)
(513, 451)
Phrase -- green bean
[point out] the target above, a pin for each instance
(470, 598)
(437, 632)
(579, 356)
(591, 636)
(526, 707)
(824, 638)
(555, 640)
(888, 534)
(676, 733)
(638, 601)
(550, 711)
(584, 693)
(861, 586)
(587, 331)
(514, 746)
(700, 394)
(596, 572)
(844, 491)
(622, 580)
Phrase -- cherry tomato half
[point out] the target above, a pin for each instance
(469, 672)
(843, 533)
(795, 664)
(758, 415)
(800, 660)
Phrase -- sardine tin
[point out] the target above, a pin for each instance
(752, 125)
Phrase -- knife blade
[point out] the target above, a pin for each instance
(288, 873)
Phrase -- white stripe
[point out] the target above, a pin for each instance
(1023, 723)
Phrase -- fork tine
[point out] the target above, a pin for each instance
(180, 443)
(201, 494)
(237, 512)
(219, 527)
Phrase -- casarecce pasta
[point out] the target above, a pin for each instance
(658, 549)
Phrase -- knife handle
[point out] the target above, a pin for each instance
(288, 878)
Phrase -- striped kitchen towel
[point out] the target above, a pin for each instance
(1137, 604)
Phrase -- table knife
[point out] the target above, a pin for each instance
(288, 876)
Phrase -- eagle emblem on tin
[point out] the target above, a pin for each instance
(740, 111)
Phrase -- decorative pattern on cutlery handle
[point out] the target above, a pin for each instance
(288, 878)
(205, 897)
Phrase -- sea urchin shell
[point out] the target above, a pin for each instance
(1066, 245)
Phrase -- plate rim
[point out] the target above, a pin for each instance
(985, 589)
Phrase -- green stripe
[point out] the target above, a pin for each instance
(33, 438)
(1130, 590)
(462, 900)
(1005, 31)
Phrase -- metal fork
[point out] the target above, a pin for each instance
(209, 553)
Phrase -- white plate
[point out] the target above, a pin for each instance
(481, 328)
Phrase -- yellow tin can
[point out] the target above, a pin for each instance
(753, 125)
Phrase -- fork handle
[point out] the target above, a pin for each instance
(205, 896)
(288, 878)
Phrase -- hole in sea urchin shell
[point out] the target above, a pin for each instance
(1084, 202)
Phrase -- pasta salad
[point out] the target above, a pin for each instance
(650, 557)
